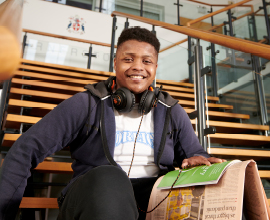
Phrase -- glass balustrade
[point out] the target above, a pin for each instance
(66, 52)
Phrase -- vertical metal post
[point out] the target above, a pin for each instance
(112, 44)
(153, 30)
(200, 93)
(232, 75)
(126, 24)
(259, 90)
(141, 12)
(266, 20)
(178, 12)
(230, 22)
(89, 57)
(189, 56)
(213, 61)
(214, 70)
(24, 43)
(252, 28)
(100, 5)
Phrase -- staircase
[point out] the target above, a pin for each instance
(38, 87)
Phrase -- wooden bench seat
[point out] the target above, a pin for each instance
(240, 139)
(39, 203)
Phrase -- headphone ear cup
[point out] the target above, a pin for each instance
(123, 100)
(147, 102)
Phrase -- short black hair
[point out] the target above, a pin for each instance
(139, 34)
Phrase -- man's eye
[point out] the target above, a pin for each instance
(128, 59)
(147, 61)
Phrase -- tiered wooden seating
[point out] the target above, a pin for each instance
(50, 84)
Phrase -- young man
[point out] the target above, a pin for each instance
(101, 127)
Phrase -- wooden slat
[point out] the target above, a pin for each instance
(239, 139)
(229, 126)
(54, 167)
(67, 69)
(39, 93)
(223, 114)
(238, 152)
(39, 203)
(65, 73)
(47, 85)
(24, 103)
(59, 78)
(265, 174)
(210, 105)
(22, 118)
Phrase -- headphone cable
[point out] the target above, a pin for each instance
(133, 155)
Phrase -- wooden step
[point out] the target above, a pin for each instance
(92, 79)
(233, 127)
(60, 67)
(39, 203)
(265, 174)
(226, 115)
(240, 139)
(48, 85)
(52, 95)
(24, 103)
(54, 167)
(234, 152)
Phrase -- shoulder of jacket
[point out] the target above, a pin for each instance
(165, 98)
(99, 89)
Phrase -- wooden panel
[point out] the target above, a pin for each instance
(238, 152)
(59, 78)
(223, 114)
(39, 93)
(22, 118)
(239, 139)
(83, 71)
(31, 104)
(33, 202)
(47, 85)
(210, 105)
(54, 167)
(265, 174)
(233, 125)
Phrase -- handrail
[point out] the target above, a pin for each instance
(246, 46)
(210, 29)
(10, 36)
(218, 5)
(217, 12)
(67, 38)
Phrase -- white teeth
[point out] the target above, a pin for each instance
(137, 77)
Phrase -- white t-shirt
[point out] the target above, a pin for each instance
(127, 125)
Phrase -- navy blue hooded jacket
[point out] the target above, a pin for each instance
(86, 123)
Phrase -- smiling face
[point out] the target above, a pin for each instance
(135, 65)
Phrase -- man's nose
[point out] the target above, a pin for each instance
(137, 65)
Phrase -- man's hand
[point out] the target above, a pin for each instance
(200, 160)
